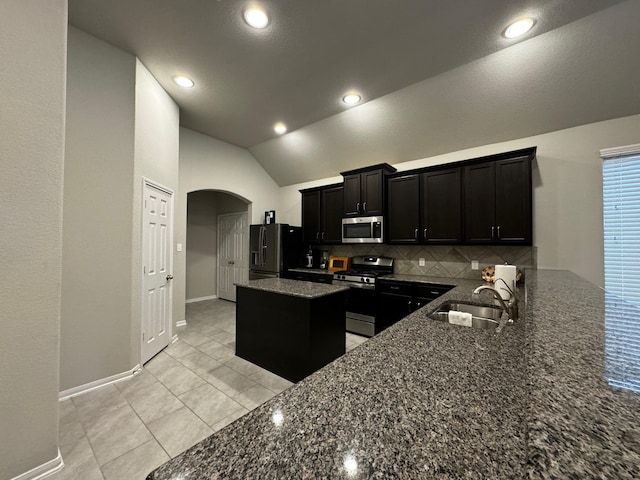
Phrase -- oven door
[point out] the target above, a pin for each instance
(361, 310)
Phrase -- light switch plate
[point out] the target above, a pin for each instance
(178, 247)
(474, 265)
(421, 262)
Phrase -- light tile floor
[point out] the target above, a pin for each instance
(192, 389)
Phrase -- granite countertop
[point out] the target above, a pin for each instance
(426, 399)
(294, 288)
(315, 271)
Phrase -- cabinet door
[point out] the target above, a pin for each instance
(352, 203)
(513, 200)
(403, 207)
(372, 193)
(441, 198)
(392, 308)
(479, 203)
(332, 202)
(311, 217)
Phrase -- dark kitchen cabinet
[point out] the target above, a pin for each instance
(364, 190)
(397, 299)
(322, 209)
(497, 206)
(425, 207)
(403, 209)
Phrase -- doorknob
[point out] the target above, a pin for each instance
(169, 277)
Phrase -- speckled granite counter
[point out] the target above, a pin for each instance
(426, 399)
(314, 271)
(294, 288)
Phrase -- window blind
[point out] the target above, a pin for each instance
(621, 213)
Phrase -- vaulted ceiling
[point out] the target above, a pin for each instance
(435, 75)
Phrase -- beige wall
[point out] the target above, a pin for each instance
(96, 287)
(210, 164)
(202, 244)
(156, 159)
(33, 36)
(122, 126)
(203, 208)
(567, 180)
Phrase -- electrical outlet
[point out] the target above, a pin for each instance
(474, 265)
(421, 262)
(178, 247)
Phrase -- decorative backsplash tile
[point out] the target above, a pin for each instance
(452, 261)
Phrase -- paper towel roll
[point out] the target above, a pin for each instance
(508, 274)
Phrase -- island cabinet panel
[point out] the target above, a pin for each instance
(498, 202)
(425, 208)
(322, 210)
(288, 335)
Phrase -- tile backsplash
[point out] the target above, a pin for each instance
(452, 261)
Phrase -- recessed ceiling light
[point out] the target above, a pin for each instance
(351, 98)
(183, 81)
(256, 18)
(519, 27)
(280, 128)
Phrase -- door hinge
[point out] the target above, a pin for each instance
(143, 336)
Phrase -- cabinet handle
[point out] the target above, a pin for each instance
(424, 234)
(322, 235)
(364, 207)
(358, 207)
(415, 234)
(498, 232)
(394, 288)
(317, 235)
(409, 306)
(493, 229)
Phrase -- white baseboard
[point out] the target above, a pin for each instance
(87, 387)
(181, 323)
(44, 470)
(200, 299)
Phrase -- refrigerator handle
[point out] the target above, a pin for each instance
(263, 246)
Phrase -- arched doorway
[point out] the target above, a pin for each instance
(216, 244)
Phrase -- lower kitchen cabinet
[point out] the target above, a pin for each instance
(397, 299)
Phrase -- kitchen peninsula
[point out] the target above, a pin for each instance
(426, 399)
(289, 327)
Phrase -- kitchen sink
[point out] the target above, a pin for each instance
(485, 317)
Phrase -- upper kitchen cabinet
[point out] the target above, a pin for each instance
(322, 209)
(497, 204)
(364, 190)
(425, 207)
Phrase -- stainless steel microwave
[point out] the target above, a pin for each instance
(362, 230)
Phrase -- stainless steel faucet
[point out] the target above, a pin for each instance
(510, 308)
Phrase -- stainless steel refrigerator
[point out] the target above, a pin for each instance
(273, 249)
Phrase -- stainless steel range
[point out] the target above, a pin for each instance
(361, 298)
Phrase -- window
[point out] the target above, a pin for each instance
(621, 211)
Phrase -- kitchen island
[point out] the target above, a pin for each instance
(426, 399)
(288, 327)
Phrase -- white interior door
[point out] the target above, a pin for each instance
(157, 239)
(233, 249)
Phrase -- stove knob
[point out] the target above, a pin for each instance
(367, 280)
